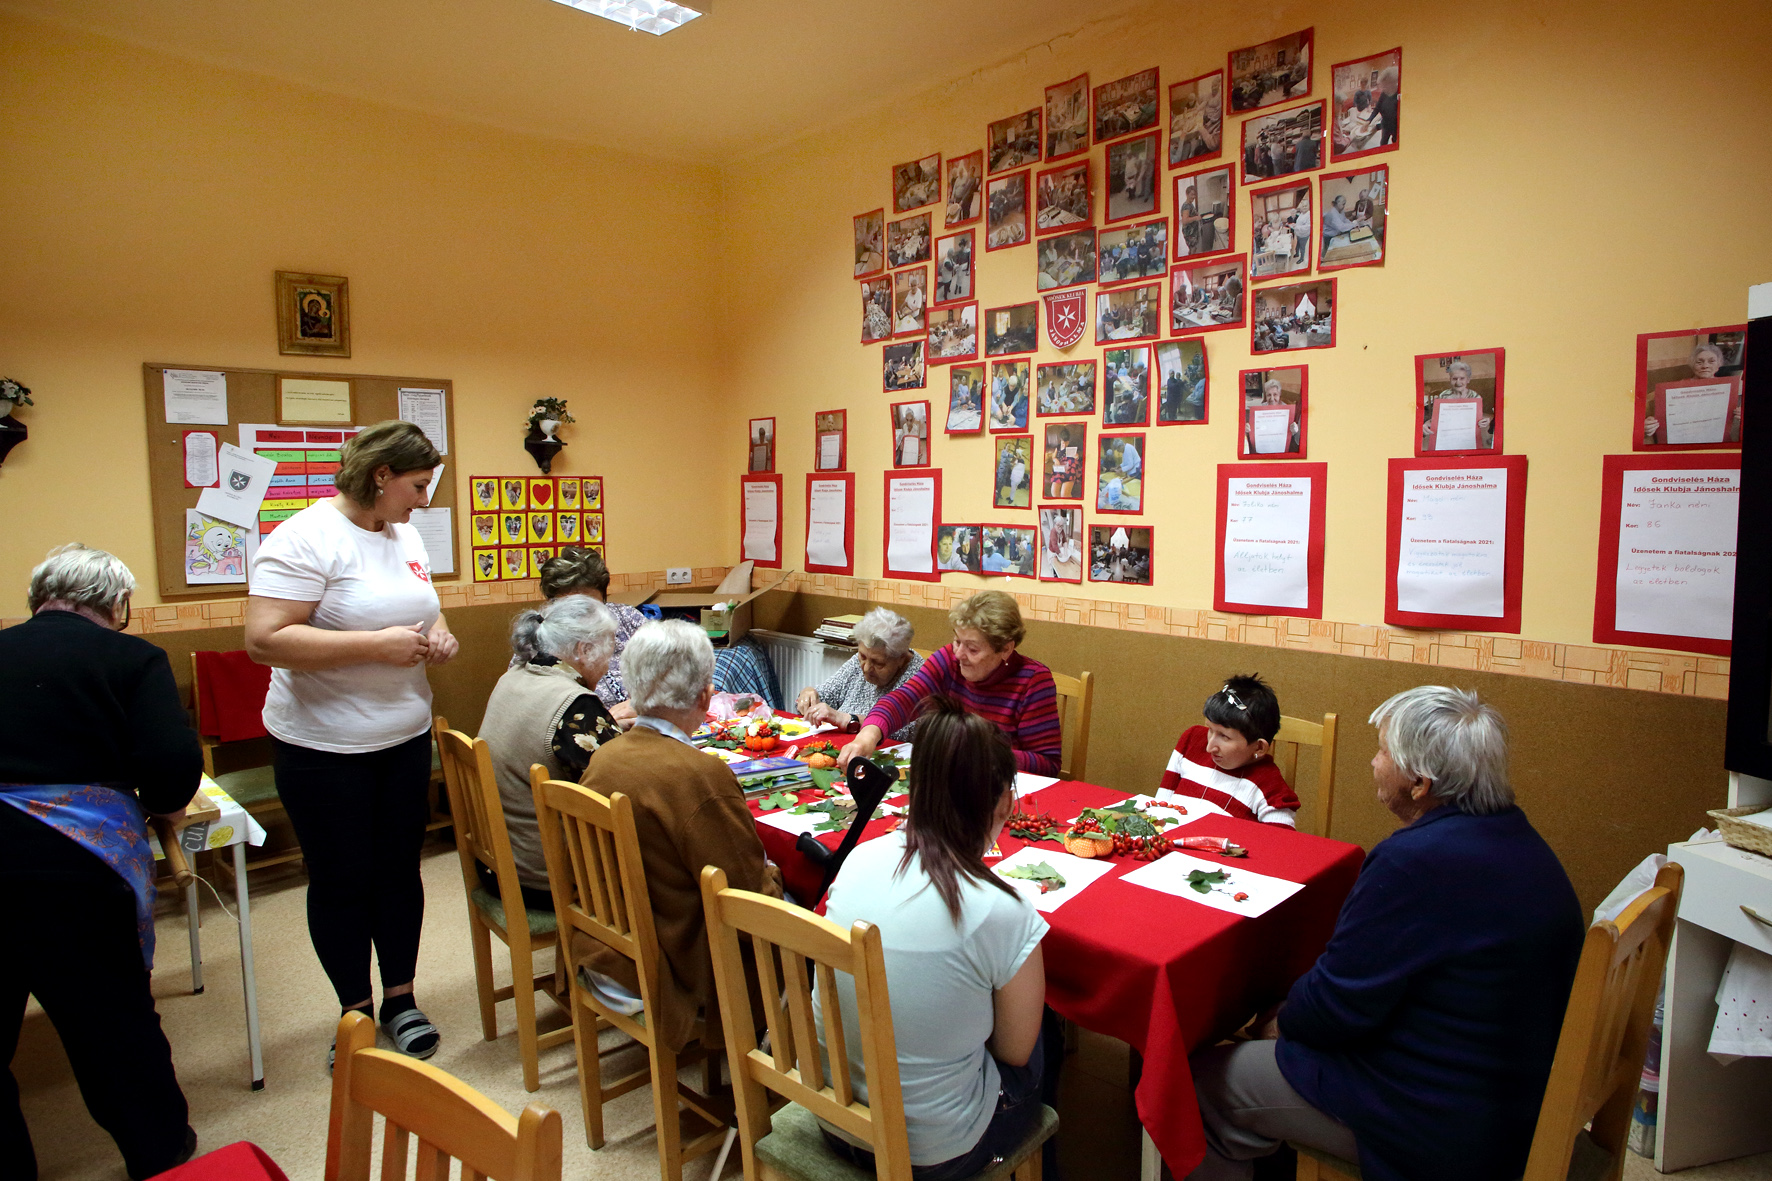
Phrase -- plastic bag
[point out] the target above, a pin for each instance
(1626, 892)
(726, 706)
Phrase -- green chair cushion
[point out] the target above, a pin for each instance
(795, 1148)
(541, 922)
(252, 788)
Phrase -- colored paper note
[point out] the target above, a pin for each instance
(1676, 552)
(1453, 544)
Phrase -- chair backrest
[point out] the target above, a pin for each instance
(450, 1119)
(1297, 732)
(598, 878)
(793, 1067)
(478, 814)
(1076, 698)
(227, 700)
(1606, 1030)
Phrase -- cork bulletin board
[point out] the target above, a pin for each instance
(252, 397)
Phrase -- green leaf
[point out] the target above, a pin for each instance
(832, 825)
(781, 799)
(1040, 872)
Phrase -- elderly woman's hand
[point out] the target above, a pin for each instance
(821, 712)
(862, 746)
(805, 701)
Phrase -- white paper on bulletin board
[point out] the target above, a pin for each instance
(1667, 551)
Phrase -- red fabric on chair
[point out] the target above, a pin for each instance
(240, 1161)
(231, 696)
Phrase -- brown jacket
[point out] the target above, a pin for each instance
(688, 812)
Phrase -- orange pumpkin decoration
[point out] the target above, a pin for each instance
(1083, 846)
(822, 761)
(761, 742)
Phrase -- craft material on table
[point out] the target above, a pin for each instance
(1075, 875)
(1239, 891)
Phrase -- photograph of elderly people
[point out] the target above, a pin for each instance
(95, 736)
(985, 672)
(1714, 356)
(1364, 98)
(1354, 218)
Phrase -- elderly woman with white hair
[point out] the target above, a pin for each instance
(882, 662)
(1458, 375)
(95, 736)
(545, 709)
(1420, 1042)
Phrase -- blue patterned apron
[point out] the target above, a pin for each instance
(107, 823)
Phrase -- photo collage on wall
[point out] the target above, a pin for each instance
(515, 523)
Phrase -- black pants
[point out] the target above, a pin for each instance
(70, 939)
(361, 822)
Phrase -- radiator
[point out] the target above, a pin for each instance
(800, 662)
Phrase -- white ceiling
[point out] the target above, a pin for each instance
(752, 75)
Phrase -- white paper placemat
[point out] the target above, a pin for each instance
(1168, 875)
(1078, 873)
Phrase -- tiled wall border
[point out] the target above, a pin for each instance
(1620, 668)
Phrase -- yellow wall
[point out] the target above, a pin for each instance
(146, 201)
(1570, 176)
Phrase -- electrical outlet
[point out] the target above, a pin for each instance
(677, 575)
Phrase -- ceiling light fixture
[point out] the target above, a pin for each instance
(643, 16)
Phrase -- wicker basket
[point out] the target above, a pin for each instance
(1754, 838)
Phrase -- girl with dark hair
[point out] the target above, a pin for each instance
(962, 948)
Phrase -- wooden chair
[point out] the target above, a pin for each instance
(599, 884)
(253, 787)
(1297, 732)
(788, 1146)
(480, 838)
(1585, 1117)
(1076, 698)
(450, 1119)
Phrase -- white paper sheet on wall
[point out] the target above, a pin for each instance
(1267, 536)
(195, 396)
(762, 514)
(827, 512)
(241, 488)
(1453, 544)
(433, 525)
(425, 410)
(910, 532)
(1676, 552)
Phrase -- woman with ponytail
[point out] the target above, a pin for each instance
(962, 948)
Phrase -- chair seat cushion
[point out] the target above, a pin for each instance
(1588, 1161)
(795, 1148)
(255, 787)
(541, 922)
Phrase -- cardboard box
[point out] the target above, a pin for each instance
(735, 589)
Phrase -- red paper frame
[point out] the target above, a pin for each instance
(984, 394)
(1318, 476)
(924, 403)
(1157, 178)
(1157, 383)
(1082, 535)
(1242, 320)
(1421, 395)
(1644, 393)
(984, 332)
(1046, 492)
(1322, 203)
(1034, 196)
(1224, 99)
(748, 445)
(1027, 209)
(1230, 70)
(1094, 388)
(1162, 314)
(886, 568)
(1150, 370)
(1177, 187)
(1328, 135)
(1089, 564)
(1046, 152)
(973, 525)
(940, 176)
(935, 267)
(1039, 114)
(905, 276)
(1303, 406)
(1144, 478)
(1127, 229)
(1513, 561)
(1334, 317)
(1310, 250)
(1613, 470)
(1095, 107)
(1243, 147)
(881, 213)
(929, 357)
(997, 442)
(1034, 529)
(842, 444)
(760, 478)
(848, 480)
(947, 179)
(922, 347)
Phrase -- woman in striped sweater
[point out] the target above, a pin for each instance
(983, 670)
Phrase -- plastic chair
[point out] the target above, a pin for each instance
(1297, 732)
(788, 1144)
(450, 1119)
(1076, 698)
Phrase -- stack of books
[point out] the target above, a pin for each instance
(772, 774)
(838, 629)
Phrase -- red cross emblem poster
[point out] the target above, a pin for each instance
(1064, 317)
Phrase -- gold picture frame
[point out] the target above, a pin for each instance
(313, 315)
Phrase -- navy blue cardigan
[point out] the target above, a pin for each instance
(1429, 1023)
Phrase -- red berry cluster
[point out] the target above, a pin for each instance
(1142, 848)
(1086, 825)
(1036, 826)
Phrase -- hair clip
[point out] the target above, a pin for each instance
(1230, 695)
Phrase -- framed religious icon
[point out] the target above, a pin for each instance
(1064, 455)
(1067, 118)
(1458, 402)
(1126, 386)
(1066, 260)
(1010, 550)
(1063, 198)
(953, 333)
(1061, 544)
(1196, 119)
(1274, 406)
(1283, 143)
(1128, 313)
(907, 241)
(916, 183)
(957, 547)
(1132, 179)
(1205, 218)
(901, 366)
(1126, 105)
(1009, 396)
(1013, 142)
(1131, 253)
(1280, 233)
(313, 315)
(910, 434)
(876, 309)
(762, 445)
(870, 243)
(1353, 211)
(1006, 211)
(1014, 472)
(1294, 316)
(953, 268)
(1065, 388)
(1119, 473)
(1363, 97)
(1271, 73)
(1120, 553)
(965, 189)
(1689, 389)
(1208, 295)
(830, 440)
(1181, 382)
(910, 299)
(965, 399)
(1013, 329)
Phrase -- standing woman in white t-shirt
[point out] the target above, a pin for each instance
(343, 610)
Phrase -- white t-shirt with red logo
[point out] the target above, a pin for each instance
(357, 581)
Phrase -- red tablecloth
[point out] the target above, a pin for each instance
(240, 1161)
(1165, 975)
